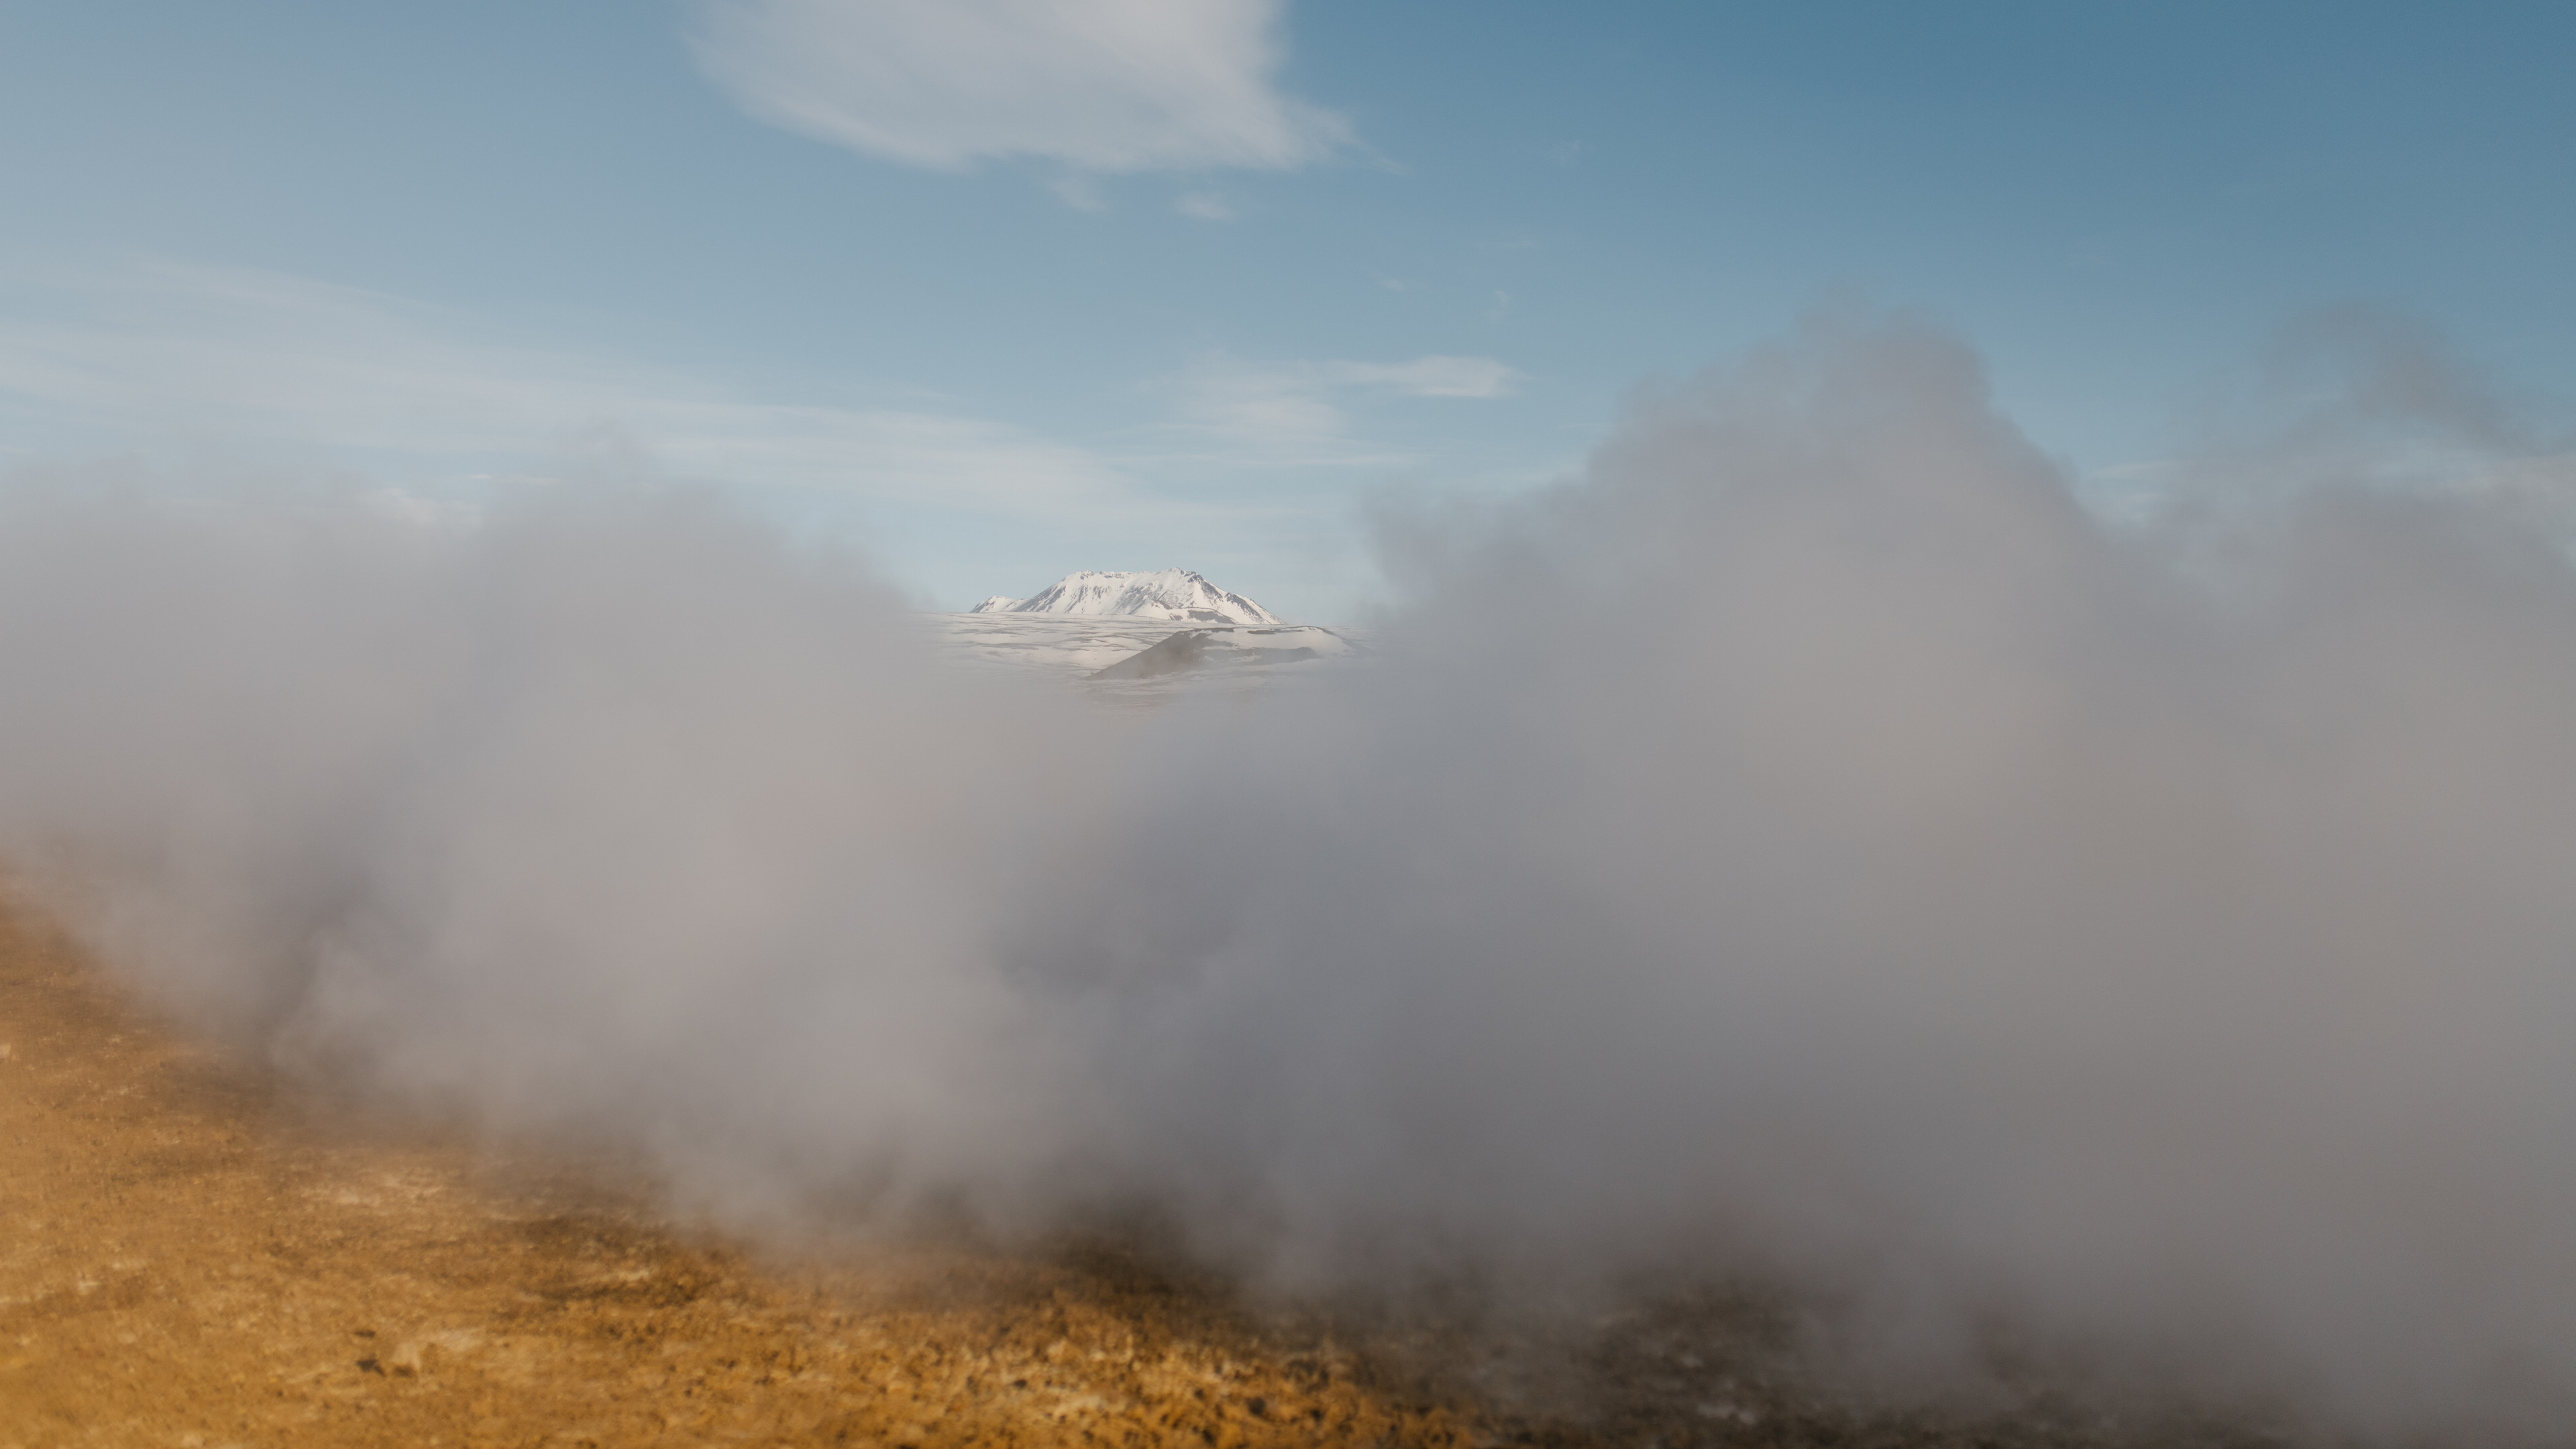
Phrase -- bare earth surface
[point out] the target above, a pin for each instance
(191, 1257)
(186, 1260)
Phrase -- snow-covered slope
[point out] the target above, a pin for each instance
(1174, 594)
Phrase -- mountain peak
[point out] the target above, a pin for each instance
(1175, 594)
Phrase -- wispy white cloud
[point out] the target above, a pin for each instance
(1098, 85)
(1250, 463)
(1274, 410)
(1300, 412)
(1433, 376)
(1080, 191)
(421, 395)
(1205, 205)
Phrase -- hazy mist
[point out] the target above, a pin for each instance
(1809, 846)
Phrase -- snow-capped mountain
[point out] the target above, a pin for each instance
(1174, 594)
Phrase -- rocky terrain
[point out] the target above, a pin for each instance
(200, 1253)
(197, 1256)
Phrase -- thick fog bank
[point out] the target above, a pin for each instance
(1808, 846)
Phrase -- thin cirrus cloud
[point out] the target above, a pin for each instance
(1098, 86)
(416, 395)
(198, 364)
(1273, 413)
(1433, 376)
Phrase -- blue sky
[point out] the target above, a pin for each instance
(1004, 288)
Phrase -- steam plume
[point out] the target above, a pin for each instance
(1808, 846)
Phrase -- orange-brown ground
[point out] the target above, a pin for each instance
(185, 1260)
(190, 1257)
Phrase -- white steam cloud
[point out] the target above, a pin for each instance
(1808, 846)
